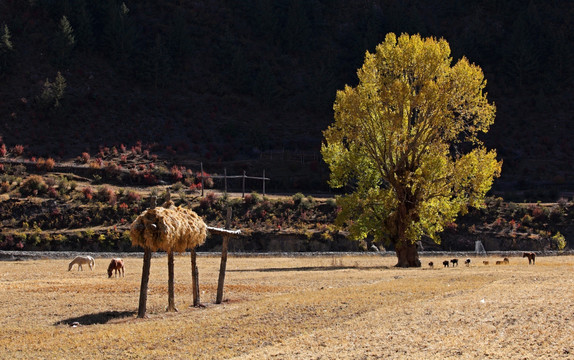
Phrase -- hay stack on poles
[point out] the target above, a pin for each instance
(172, 229)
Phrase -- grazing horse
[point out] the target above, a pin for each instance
(81, 260)
(445, 263)
(454, 262)
(531, 257)
(116, 265)
(467, 262)
(506, 261)
(431, 264)
(498, 262)
(485, 262)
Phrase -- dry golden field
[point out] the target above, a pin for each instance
(347, 307)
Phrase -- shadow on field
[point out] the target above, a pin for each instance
(312, 268)
(97, 318)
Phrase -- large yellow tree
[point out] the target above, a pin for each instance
(405, 140)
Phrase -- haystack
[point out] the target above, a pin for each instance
(170, 229)
(173, 229)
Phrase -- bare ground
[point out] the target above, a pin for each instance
(329, 307)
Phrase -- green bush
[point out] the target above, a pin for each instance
(559, 240)
(297, 198)
(331, 203)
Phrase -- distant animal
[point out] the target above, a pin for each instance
(116, 265)
(506, 261)
(485, 262)
(467, 262)
(82, 260)
(498, 262)
(445, 263)
(431, 264)
(454, 262)
(531, 257)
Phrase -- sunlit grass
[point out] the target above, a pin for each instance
(343, 307)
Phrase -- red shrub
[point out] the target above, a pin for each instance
(85, 157)
(107, 194)
(18, 150)
(124, 207)
(50, 163)
(88, 193)
(133, 197)
(52, 192)
(39, 163)
(208, 201)
(176, 173)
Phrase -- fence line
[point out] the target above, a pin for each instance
(225, 177)
(85, 170)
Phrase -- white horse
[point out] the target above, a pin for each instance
(80, 260)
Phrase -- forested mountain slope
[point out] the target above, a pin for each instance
(222, 81)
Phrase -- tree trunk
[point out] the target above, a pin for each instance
(170, 280)
(407, 255)
(145, 280)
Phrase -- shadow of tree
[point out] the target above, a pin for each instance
(311, 268)
(97, 318)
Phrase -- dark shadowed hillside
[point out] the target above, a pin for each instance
(254, 80)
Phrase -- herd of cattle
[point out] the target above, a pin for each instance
(454, 262)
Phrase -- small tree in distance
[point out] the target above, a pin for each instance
(64, 42)
(6, 50)
(52, 93)
(405, 139)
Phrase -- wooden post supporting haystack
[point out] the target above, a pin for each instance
(145, 279)
(170, 284)
(145, 273)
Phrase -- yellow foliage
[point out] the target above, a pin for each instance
(406, 138)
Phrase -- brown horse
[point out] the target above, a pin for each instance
(116, 265)
(531, 257)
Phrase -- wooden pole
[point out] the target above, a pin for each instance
(225, 179)
(145, 273)
(222, 267)
(223, 264)
(243, 194)
(144, 283)
(263, 182)
(202, 183)
(170, 286)
(194, 278)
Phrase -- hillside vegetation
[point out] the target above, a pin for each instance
(43, 209)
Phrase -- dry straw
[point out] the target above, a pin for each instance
(168, 228)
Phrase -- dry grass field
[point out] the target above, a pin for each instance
(348, 307)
